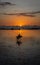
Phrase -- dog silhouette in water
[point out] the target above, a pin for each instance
(19, 39)
(19, 36)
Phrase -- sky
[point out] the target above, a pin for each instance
(19, 12)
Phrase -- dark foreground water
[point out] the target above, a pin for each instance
(22, 51)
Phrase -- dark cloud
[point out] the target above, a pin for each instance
(36, 12)
(28, 14)
(19, 14)
(6, 3)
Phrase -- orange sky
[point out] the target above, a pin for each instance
(19, 12)
(19, 20)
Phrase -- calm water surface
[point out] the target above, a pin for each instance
(22, 51)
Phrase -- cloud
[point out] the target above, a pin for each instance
(27, 14)
(6, 3)
(36, 12)
(19, 14)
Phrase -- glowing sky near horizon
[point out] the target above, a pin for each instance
(21, 6)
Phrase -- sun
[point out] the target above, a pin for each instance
(20, 25)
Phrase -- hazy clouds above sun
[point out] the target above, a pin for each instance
(20, 5)
(30, 9)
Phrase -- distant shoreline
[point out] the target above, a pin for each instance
(19, 27)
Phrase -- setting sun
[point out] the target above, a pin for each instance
(20, 25)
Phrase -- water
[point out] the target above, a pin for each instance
(22, 51)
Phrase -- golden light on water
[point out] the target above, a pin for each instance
(24, 33)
